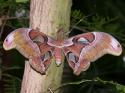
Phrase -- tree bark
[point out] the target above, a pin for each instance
(48, 16)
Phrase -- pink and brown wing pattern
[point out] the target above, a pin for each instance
(20, 40)
(32, 44)
(79, 50)
(72, 50)
(45, 49)
(82, 49)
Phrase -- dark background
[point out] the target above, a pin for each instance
(106, 75)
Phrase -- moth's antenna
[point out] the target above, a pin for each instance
(75, 26)
(60, 34)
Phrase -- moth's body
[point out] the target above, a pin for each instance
(79, 50)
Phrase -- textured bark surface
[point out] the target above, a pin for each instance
(48, 16)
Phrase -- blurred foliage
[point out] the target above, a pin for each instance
(97, 86)
(12, 15)
(11, 83)
(95, 22)
(106, 75)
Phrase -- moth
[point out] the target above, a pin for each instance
(80, 50)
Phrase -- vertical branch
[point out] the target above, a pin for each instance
(48, 16)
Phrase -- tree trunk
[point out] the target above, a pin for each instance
(48, 16)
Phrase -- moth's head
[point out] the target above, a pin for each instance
(115, 46)
(9, 42)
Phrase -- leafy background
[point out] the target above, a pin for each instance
(106, 75)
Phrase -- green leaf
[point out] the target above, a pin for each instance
(21, 1)
(12, 84)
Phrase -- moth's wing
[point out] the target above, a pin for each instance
(37, 66)
(89, 47)
(84, 65)
(73, 50)
(41, 63)
(46, 50)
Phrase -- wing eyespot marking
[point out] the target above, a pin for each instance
(83, 41)
(72, 57)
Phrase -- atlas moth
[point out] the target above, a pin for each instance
(80, 50)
